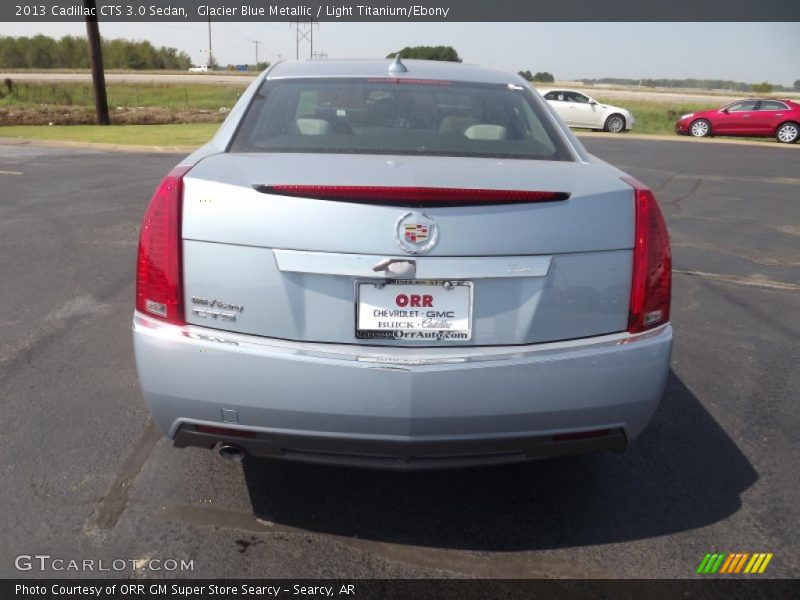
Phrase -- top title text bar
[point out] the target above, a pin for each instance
(404, 10)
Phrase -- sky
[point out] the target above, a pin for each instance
(750, 52)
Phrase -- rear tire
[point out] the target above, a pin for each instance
(615, 123)
(700, 128)
(788, 133)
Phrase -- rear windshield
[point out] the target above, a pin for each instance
(398, 116)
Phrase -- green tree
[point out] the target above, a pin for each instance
(445, 53)
(796, 85)
(526, 75)
(544, 76)
(762, 88)
(10, 56)
(41, 52)
(71, 52)
(172, 59)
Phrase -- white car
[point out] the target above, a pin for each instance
(579, 110)
(199, 69)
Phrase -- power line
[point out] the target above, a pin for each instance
(236, 31)
(235, 40)
(232, 40)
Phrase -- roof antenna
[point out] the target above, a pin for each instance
(397, 66)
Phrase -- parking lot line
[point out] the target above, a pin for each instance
(115, 501)
(749, 281)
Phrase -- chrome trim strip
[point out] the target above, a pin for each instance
(398, 357)
(429, 267)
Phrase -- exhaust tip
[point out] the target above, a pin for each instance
(231, 452)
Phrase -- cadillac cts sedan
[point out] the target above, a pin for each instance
(579, 110)
(400, 266)
(759, 118)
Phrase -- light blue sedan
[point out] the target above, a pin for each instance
(400, 265)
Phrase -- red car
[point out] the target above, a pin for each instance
(761, 118)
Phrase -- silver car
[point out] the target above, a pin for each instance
(400, 265)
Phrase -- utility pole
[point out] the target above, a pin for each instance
(304, 32)
(96, 60)
(256, 45)
(210, 55)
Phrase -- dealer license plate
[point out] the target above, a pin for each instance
(414, 310)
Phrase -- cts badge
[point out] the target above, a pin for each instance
(416, 232)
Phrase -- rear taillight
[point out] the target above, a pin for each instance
(159, 287)
(652, 264)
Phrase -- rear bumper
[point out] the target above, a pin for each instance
(403, 454)
(399, 407)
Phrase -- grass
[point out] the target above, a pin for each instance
(651, 117)
(162, 95)
(656, 117)
(189, 134)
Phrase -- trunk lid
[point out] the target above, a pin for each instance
(290, 267)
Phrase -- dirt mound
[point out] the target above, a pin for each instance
(79, 115)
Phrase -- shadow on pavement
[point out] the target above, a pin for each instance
(683, 472)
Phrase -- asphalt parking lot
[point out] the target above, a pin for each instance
(85, 475)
